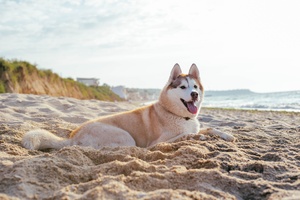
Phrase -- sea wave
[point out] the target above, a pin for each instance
(279, 101)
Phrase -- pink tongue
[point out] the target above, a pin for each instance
(192, 108)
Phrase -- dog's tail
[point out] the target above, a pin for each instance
(42, 139)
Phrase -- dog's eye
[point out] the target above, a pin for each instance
(183, 87)
(195, 86)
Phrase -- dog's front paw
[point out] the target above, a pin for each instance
(225, 136)
(228, 137)
(202, 137)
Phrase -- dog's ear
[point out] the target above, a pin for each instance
(194, 71)
(176, 71)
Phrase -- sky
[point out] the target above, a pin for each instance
(236, 44)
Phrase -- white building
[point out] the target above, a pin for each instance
(89, 81)
(120, 90)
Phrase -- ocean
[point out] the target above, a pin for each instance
(246, 99)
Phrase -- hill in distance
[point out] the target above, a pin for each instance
(25, 78)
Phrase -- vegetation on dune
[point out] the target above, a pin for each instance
(22, 77)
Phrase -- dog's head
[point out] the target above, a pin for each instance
(183, 93)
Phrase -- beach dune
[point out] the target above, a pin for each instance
(263, 163)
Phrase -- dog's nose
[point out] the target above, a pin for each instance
(194, 95)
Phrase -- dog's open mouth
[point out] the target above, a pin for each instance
(190, 105)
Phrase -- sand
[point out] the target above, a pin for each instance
(264, 162)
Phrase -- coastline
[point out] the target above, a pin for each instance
(251, 110)
(263, 163)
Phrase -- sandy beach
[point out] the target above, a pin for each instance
(263, 162)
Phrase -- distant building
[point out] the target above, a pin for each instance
(89, 81)
(120, 91)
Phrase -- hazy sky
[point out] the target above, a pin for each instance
(252, 44)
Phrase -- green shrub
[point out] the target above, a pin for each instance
(2, 87)
(16, 70)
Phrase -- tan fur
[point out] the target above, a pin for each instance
(164, 121)
(147, 125)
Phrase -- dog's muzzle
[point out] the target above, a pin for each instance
(191, 105)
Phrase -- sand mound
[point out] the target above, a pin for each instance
(264, 162)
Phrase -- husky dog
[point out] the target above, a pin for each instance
(172, 117)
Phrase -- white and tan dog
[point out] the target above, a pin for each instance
(172, 117)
